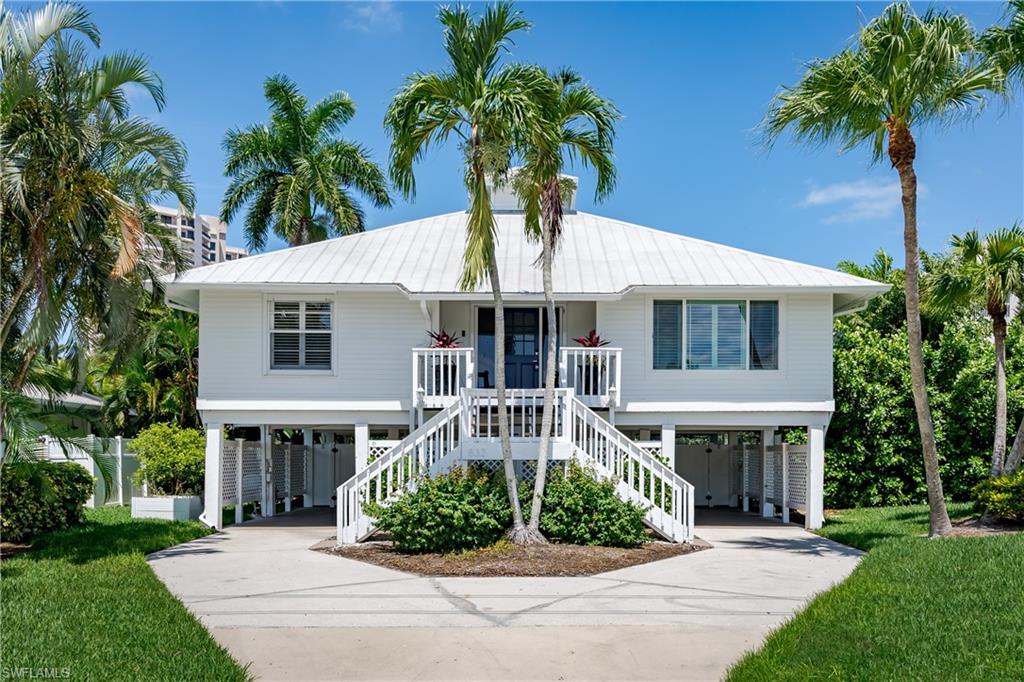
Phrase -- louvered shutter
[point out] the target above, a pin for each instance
(668, 334)
(764, 335)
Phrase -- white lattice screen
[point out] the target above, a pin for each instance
(754, 475)
(251, 471)
(229, 472)
(796, 477)
(380, 447)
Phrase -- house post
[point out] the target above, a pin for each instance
(213, 502)
(668, 444)
(239, 481)
(815, 515)
(307, 454)
(267, 460)
(362, 446)
(767, 438)
(119, 453)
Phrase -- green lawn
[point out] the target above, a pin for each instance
(914, 609)
(85, 601)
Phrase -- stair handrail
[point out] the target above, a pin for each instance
(596, 440)
(392, 480)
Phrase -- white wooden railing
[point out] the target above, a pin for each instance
(642, 478)
(429, 450)
(595, 374)
(438, 374)
(525, 409)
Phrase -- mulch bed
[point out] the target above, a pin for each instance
(9, 550)
(979, 526)
(505, 559)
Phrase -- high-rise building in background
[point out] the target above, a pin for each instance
(203, 236)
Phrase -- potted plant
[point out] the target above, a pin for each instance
(172, 466)
(446, 372)
(589, 370)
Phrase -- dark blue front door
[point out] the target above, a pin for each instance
(522, 347)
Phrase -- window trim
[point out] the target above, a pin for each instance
(267, 330)
(746, 369)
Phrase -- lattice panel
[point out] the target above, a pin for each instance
(769, 475)
(796, 477)
(736, 462)
(526, 470)
(777, 489)
(251, 471)
(754, 475)
(229, 472)
(379, 448)
(298, 466)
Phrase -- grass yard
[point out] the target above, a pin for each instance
(84, 601)
(914, 609)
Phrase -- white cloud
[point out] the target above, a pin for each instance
(857, 200)
(378, 16)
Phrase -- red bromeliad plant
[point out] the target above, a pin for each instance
(442, 339)
(591, 340)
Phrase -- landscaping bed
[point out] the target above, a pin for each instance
(506, 559)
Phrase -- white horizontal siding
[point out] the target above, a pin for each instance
(805, 372)
(374, 335)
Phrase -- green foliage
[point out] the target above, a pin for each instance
(171, 459)
(85, 600)
(581, 509)
(1002, 496)
(39, 497)
(456, 511)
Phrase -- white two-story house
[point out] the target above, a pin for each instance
(711, 350)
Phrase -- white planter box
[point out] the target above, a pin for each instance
(167, 507)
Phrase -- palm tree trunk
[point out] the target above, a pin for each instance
(1014, 458)
(547, 249)
(999, 446)
(902, 150)
(518, 534)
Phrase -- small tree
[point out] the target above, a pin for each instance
(172, 459)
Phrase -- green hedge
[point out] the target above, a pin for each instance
(172, 459)
(457, 511)
(38, 497)
(581, 509)
(1002, 496)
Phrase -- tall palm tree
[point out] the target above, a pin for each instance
(1005, 44)
(484, 104)
(296, 174)
(902, 72)
(983, 272)
(577, 126)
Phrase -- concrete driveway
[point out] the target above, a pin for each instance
(302, 615)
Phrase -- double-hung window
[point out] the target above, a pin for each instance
(716, 334)
(300, 335)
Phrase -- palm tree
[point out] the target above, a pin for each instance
(577, 126)
(1005, 44)
(983, 272)
(296, 174)
(484, 104)
(902, 72)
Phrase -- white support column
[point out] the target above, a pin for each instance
(668, 444)
(815, 516)
(239, 479)
(266, 452)
(767, 439)
(362, 446)
(119, 454)
(307, 441)
(213, 502)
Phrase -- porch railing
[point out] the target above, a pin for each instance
(595, 374)
(438, 374)
(525, 409)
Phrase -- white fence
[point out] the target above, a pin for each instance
(438, 374)
(114, 456)
(776, 476)
(595, 374)
(285, 473)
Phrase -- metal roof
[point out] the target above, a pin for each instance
(598, 257)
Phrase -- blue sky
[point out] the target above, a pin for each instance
(692, 80)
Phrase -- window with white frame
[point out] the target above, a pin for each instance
(737, 334)
(300, 335)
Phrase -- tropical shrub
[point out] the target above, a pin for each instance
(455, 511)
(171, 459)
(581, 509)
(39, 497)
(1001, 497)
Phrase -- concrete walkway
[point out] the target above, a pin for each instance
(297, 614)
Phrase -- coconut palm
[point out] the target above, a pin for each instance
(577, 126)
(295, 174)
(484, 104)
(983, 272)
(1005, 44)
(902, 72)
